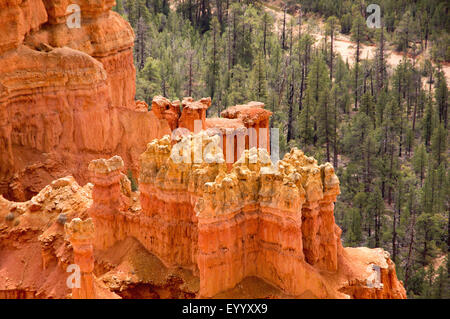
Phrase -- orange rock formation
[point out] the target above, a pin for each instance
(194, 229)
(271, 222)
(213, 217)
(67, 97)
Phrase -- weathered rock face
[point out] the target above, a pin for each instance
(242, 127)
(186, 118)
(257, 220)
(110, 200)
(18, 18)
(282, 214)
(103, 34)
(66, 95)
(42, 237)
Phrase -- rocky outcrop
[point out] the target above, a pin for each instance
(66, 94)
(109, 201)
(41, 238)
(34, 254)
(242, 127)
(163, 108)
(276, 220)
(194, 111)
(67, 97)
(182, 115)
(102, 34)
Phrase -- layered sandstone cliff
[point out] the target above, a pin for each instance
(66, 94)
(67, 97)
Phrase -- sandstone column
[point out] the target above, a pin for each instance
(108, 201)
(329, 233)
(81, 235)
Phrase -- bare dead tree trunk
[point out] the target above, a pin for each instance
(283, 34)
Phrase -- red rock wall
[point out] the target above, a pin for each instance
(264, 237)
(175, 243)
(62, 107)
